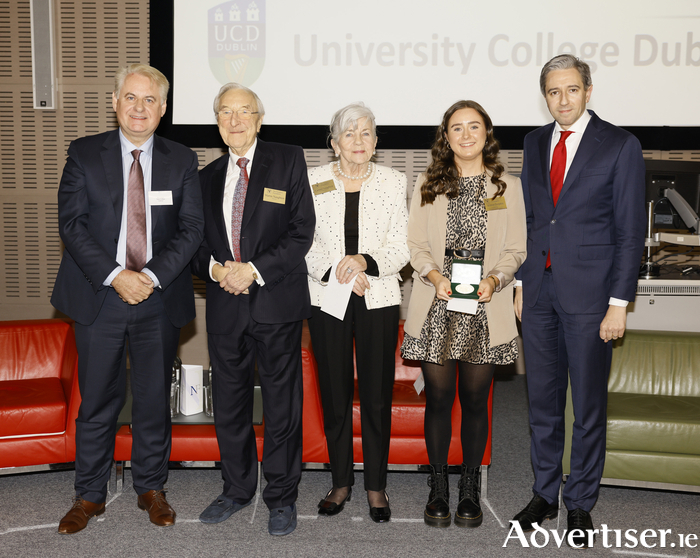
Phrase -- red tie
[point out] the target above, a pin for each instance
(237, 209)
(556, 173)
(135, 217)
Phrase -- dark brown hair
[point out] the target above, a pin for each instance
(442, 175)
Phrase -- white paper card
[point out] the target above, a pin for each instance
(419, 384)
(160, 197)
(191, 392)
(337, 296)
(466, 273)
(464, 305)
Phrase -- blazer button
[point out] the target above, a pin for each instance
(544, 253)
(553, 221)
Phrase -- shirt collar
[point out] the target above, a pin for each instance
(248, 155)
(577, 127)
(128, 147)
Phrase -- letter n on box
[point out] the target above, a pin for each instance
(191, 392)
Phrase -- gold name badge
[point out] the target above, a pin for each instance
(323, 187)
(274, 196)
(498, 203)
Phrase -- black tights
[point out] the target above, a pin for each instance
(440, 387)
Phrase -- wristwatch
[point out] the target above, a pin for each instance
(255, 275)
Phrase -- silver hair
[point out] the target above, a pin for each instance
(566, 62)
(145, 70)
(233, 85)
(346, 119)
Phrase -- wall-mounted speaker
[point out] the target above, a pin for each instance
(43, 65)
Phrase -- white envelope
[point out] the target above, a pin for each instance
(337, 296)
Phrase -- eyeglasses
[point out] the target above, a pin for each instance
(241, 114)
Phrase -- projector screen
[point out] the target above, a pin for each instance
(409, 60)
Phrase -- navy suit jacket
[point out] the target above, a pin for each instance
(90, 200)
(596, 232)
(274, 236)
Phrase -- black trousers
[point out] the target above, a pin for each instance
(375, 333)
(152, 343)
(277, 348)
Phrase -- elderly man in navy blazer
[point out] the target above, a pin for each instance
(130, 217)
(259, 225)
(583, 181)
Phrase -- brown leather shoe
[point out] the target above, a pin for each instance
(159, 511)
(79, 515)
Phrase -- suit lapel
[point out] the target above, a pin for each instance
(545, 146)
(259, 173)
(593, 138)
(217, 185)
(160, 175)
(112, 163)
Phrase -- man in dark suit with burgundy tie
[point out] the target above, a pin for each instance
(583, 181)
(130, 217)
(259, 225)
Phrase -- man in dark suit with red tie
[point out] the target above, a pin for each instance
(583, 181)
(259, 225)
(130, 217)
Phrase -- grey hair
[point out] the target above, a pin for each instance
(566, 62)
(233, 85)
(346, 119)
(145, 70)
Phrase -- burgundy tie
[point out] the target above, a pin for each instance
(556, 173)
(135, 217)
(237, 209)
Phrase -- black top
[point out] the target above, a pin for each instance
(352, 234)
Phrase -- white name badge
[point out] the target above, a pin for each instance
(160, 197)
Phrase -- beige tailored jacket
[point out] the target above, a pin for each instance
(506, 240)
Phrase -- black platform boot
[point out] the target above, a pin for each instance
(468, 512)
(437, 510)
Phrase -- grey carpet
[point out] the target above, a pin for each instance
(32, 504)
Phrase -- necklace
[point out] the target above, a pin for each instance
(341, 173)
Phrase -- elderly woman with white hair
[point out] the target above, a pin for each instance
(361, 219)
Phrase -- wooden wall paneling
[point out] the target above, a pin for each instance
(681, 155)
(96, 38)
(15, 42)
(31, 248)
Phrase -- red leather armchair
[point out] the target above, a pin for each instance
(39, 397)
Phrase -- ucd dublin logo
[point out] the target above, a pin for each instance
(237, 41)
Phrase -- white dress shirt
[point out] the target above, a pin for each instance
(146, 161)
(233, 173)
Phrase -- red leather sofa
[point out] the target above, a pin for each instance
(39, 402)
(39, 395)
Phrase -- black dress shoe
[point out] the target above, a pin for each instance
(326, 507)
(580, 523)
(383, 514)
(536, 512)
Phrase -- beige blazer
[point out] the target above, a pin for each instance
(506, 240)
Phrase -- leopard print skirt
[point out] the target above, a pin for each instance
(448, 335)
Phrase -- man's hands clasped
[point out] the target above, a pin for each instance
(233, 277)
(133, 286)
